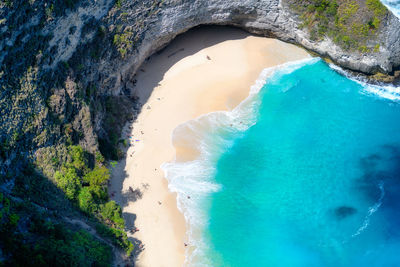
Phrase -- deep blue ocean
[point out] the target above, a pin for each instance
(305, 172)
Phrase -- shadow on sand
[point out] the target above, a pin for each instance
(182, 46)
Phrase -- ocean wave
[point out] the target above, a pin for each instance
(371, 211)
(393, 5)
(212, 134)
(389, 92)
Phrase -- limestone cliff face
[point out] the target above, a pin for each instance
(150, 27)
(96, 47)
(67, 69)
(269, 18)
(56, 56)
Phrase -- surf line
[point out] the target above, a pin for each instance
(371, 211)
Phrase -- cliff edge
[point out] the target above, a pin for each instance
(67, 69)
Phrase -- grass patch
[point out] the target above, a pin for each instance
(352, 24)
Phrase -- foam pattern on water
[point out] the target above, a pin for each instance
(390, 92)
(212, 134)
(304, 172)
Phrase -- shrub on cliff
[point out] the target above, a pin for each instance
(112, 211)
(86, 201)
(38, 240)
(118, 236)
(352, 24)
(68, 181)
(87, 188)
(79, 159)
(40, 110)
(98, 176)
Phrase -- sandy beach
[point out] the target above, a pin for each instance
(204, 70)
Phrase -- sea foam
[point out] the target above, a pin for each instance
(389, 92)
(393, 5)
(212, 135)
(371, 211)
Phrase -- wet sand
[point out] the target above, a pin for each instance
(205, 70)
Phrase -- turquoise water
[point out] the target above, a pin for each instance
(305, 173)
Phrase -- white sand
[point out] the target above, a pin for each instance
(178, 85)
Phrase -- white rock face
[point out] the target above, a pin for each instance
(74, 21)
(266, 17)
(164, 21)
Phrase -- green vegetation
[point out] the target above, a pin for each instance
(111, 212)
(118, 3)
(122, 42)
(377, 7)
(86, 200)
(352, 24)
(97, 177)
(113, 163)
(36, 241)
(49, 11)
(87, 188)
(67, 179)
(99, 158)
(44, 112)
(7, 3)
(118, 237)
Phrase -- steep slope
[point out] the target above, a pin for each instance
(67, 69)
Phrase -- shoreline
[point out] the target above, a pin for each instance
(205, 70)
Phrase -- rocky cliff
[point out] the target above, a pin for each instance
(101, 44)
(67, 69)
(140, 29)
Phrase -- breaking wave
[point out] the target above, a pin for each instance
(211, 135)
